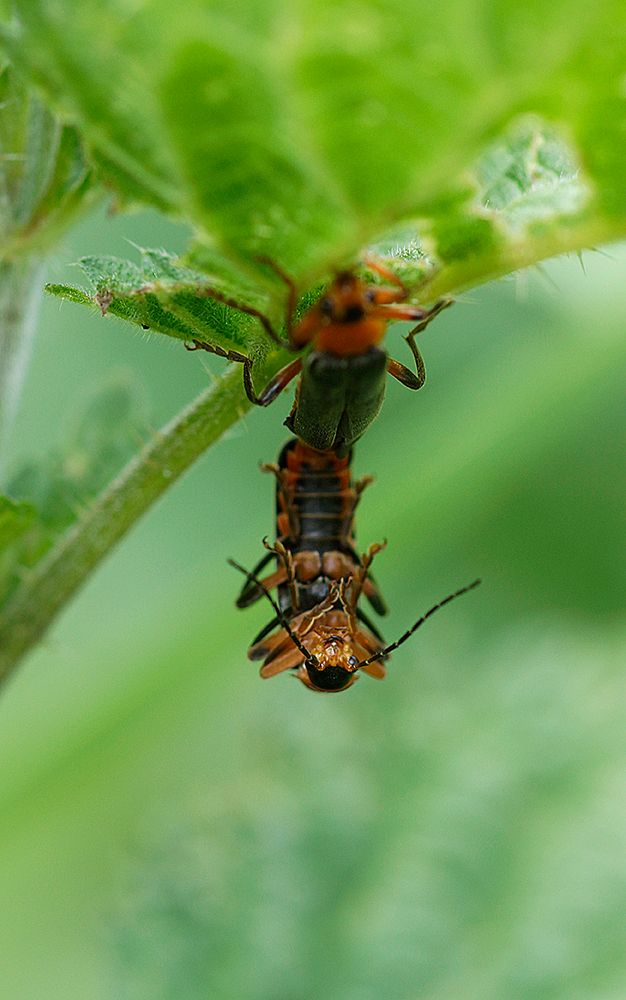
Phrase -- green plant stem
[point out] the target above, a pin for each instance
(55, 580)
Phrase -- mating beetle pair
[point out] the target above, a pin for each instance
(342, 379)
(319, 631)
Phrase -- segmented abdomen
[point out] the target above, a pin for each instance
(315, 500)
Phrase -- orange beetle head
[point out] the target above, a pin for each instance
(333, 663)
(348, 300)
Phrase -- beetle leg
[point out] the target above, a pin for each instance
(354, 496)
(378, 670)
(399, 310)
(286, 661)
(275, 385)
(287, 518)
(371, 592)
(359, 578)
(273, 468)
(274, 579)
(373, 550)
(371, 647)
(291, 581)
(429, 314)
(415, 351)
(264, 320)
(285, 556)
(379, 268)
(401, 372)
(265, 644)
(360, 485)
(265, 631)
(292, 298)
(201, 345)
(404, 374)
(369, 624)
(306, 621)
(348, 601)
(250, 592)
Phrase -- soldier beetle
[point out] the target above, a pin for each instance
(322, 634)
(342, 378)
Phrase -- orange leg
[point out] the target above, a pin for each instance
(286, 661)
(370, 590)
(263, 648)
(275, 579)
(369, 647)
(360, 577)
(379, 268)
(306, 622)
(362, 484)
(376, 670)
(286, 558)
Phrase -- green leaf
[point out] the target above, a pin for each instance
(15, 518)
(530, 176)
(59, 489)
(163, 295)
(44, 179)
(17, 521)
(305, 132)
(247, 183)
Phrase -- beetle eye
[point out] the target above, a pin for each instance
(326, 307)
(370, 295)
(353, 660)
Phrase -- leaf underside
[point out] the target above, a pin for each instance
(44, 179)
(520, 184)
(308, 132)
(457, 142)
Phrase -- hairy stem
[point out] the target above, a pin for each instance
(53, 582)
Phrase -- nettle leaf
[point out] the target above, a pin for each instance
(44, 181)
(163, 295)
(528, 194)
(306, 131)
(530, 177)
(15, 519)
(44, 178)
(525, 189)
(60, 488)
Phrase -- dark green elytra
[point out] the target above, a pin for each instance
(338, 398)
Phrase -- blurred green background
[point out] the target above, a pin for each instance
(172, 827)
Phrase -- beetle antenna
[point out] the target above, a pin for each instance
(281, 617)
(420, 621)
